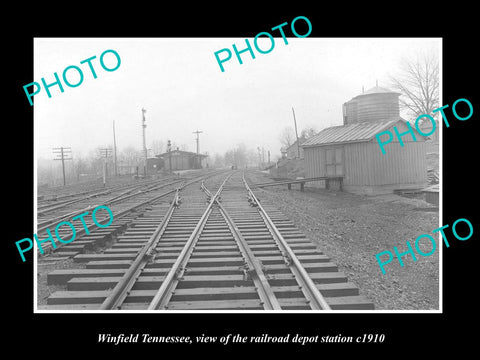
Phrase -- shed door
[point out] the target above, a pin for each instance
(334, 161)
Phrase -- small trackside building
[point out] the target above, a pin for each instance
(295, 151)
(182, 160)
(352, 151)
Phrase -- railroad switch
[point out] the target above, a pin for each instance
(263, 268)
(287, 259)
(247, 272)
(252, 201)
(179, 273)
(150, 255)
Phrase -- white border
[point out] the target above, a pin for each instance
(309, 312)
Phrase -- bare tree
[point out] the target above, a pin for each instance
(157, 147)
(287, 136)
(418, 82)
(237, 156)
(308, 132)
(218, 161)
(80, 165)
(130, 156)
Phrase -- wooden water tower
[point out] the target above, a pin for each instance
(376, 104)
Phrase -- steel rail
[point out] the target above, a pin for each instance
(45, 224)
(308, 287)
(120, 197)
(169, 284)
(126, 195)
(107, 190)
(119, 214)
(144, 256)
(252, 264)
(49, 207)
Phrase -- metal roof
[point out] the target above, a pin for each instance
(357, 132)
(181, 152)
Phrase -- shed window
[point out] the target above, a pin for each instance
(334, 161)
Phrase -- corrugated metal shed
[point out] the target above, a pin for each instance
(352, 133)
(353, 152)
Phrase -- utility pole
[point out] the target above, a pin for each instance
(63, 152)
(259, 158)
(296, 133)
(169, 150)
(114, 149)
(144, 143)
(198, 147)
(106, 152)
(234, 159)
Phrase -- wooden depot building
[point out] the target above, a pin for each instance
(352, 151)
(182, 160)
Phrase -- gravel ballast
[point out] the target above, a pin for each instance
(351, 229)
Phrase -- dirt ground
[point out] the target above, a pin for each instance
(351, 229)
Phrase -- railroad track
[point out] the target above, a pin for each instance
(213, 247)
(105, 196)
(124, 205)
(59, 194)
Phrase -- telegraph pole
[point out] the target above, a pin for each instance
(198, 146)
(296, 133)
(63, 152)
(144, 142)
(259, 158)
(169, 151)
(106, 152)
(114, 149)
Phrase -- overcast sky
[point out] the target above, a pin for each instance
(180, 84)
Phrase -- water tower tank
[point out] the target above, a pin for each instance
(376, 104)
